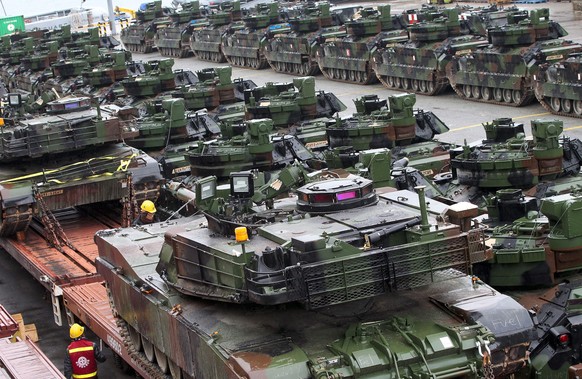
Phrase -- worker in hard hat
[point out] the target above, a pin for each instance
(147, 214)
(82, 355)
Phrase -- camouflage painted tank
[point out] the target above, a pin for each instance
(252, 147)
(557, 86)
(347, 57)
(158, 76)
(110, 69)
(139, 36)
(10, 59)
(243, 43)
(173, 40)
(479, 20)
(214, 87)
(293, 52)
(207, 35)
(502, 72)
(31, 71)
(419, 64)
(306, 262)
(506, 159)
(69, 124)
(288, 103)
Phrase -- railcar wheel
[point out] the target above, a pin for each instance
(162, 360)
(175, 370)
(516, 96)
(148, 349)
(566, 105)
(476, 92)
(467, 91)
(498, 94)
(134, 337)
(555, 104)
(577, 105)
(507, 95)
(486, 93)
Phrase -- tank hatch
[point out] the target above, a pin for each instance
(336, 195)
(68, 105)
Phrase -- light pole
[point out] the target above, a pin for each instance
(112, 25)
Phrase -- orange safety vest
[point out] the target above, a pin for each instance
(82, 359)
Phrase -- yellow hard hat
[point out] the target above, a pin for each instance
(76, 331)
(148, 206)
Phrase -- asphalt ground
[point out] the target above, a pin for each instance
(20, 293)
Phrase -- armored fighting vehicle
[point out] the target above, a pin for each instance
(157, 77)
(206, 38)
(557, 86)
(419, 64)
(32, 68)
(173, 40)
(320, 258)
(502, 72)
(139, 36)
(243, 43)
(507, 159)
(347, 57)
(293, 52)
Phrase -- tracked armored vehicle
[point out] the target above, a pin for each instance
(173, 40)
(170, 289)
(347, 57)
(214, 87)
(557, 86)
(139, 36)
(293, 52)
(502, 72)
(243, 43)
(419, 65)
(206, 38)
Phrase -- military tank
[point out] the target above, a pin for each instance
(206, 38)
(502, 73)
(419, 65)
(173, 40)
(557, 89)
(347, 57)
(31, 71)
(320, 297)
(138, 37)
(293, 52)
(244, 41)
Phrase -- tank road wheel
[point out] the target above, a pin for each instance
(391, 82)
(555, 104)
(415, 85)
(507, 95)
(516, 96)
(134, 337)
(429, 86)
(467, 91)
(175, 371)
(148, 349)
(476, 92)
(343, 74)
(566, 105)
(398, 82)
(406, 83)
(498, 94)
(353, 76)
(486, 93)
(162, 360)
(577, 105)
(423, 86)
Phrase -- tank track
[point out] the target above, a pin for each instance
(252, 63)
(309, 68)
(143, 49)
(557, 109)
(174, 52)
(350, 76)
(210, 56)
(422, 87)
(136, 356)
(524, 98)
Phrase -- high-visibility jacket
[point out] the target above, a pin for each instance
(83, 362)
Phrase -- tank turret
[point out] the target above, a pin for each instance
(158, 77)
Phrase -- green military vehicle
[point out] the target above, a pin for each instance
(138, 37)
(173, 40)
(556, 86)
(503, 72)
